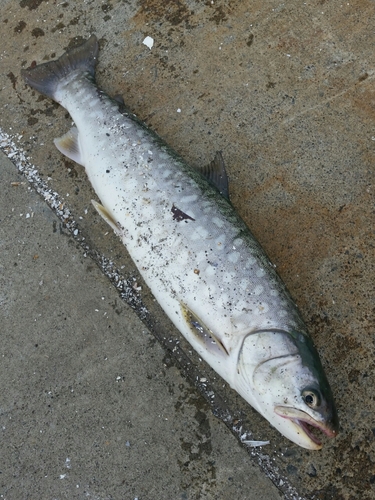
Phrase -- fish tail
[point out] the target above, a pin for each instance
(46, 77)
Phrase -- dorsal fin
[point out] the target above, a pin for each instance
(216, 174)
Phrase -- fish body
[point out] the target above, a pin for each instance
(198, 257)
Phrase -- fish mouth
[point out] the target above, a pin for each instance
(306, 424)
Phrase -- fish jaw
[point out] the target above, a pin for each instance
(301, 423)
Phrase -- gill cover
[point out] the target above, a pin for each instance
(283, 373)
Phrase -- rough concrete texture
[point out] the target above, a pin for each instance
(286, 91)
(90, 405)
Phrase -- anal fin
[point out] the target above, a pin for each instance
(68, 145)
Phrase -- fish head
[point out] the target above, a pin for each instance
(281, 375)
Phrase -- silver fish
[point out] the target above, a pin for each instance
(198, 257)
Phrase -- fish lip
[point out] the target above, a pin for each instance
(303, 420)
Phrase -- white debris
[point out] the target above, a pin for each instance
(149, 42)
(254, 444)
(248, 442)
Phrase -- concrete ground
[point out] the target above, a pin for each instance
(90, 406)
(285, 90)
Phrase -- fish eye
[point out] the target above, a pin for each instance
(311, 398)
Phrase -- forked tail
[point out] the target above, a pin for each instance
(46, 77)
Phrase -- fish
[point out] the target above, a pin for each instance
(200, 260)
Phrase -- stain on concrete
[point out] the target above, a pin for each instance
(31, 4)
(20, 27)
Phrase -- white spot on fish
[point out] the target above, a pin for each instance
(189, 199)
(244, 284)
(258, 290)
(218, 222)
(250, 262)
(210, 270)
(263, 307)
(233, 257)
(219, 242)
(241, 305)
(164, 173)
(201, 256)
(237, 242)
(260, 272)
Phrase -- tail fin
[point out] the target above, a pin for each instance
(45, 77)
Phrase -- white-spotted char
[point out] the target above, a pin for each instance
(198, 257)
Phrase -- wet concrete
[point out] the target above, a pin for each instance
(286, 92)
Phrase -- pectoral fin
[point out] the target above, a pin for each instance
(68, 145)
(103, 212)
(203, 334)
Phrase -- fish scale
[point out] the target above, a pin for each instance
(198, 257)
